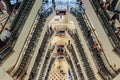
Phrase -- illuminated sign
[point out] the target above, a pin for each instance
(13, 2)
(60, 12)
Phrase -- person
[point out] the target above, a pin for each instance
(14, 11)
(100, 50)
(101, 4)
(89, 33)
(110, 6)
(60, 16)
(51, 28)
(68, 42)
(117, 32)
(95, 46)
(106, 5)
(81, 2)
(5, 35)
(115, 66)
(114, 17)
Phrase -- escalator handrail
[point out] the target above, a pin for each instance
(97, 39)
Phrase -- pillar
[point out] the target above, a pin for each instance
(66, 18)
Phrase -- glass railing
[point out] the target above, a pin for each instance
(16, 23)
(106, 62)
(106, 24)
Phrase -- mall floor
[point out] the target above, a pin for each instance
(70, 21)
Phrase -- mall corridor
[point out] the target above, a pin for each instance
(59, 40)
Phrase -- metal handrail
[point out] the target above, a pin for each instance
(13, 31)
(97, 39)
(115, 42)
(100, 44)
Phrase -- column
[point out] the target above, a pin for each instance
(66, 18)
